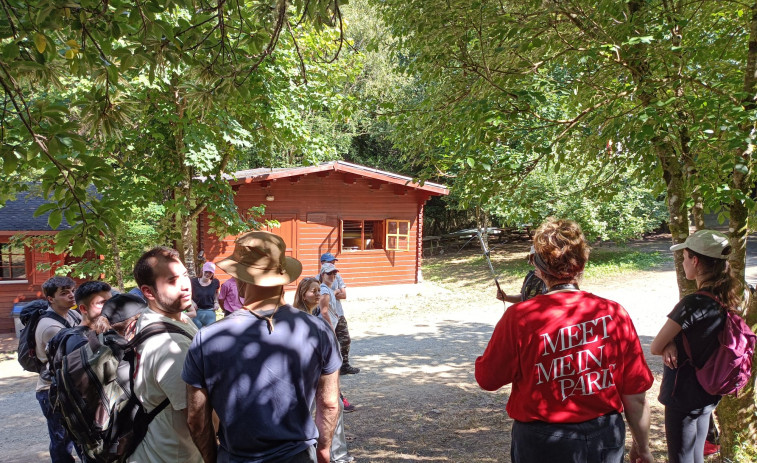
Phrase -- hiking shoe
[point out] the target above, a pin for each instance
(348, 370)
(348, 407)
(710, 448)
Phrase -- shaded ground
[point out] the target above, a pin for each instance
(416, 396)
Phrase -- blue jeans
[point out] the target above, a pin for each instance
(61, 444)
(204, 317)
(601, 440)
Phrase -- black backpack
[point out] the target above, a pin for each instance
(30, 316)
(93, 392)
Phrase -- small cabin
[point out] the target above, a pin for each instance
(371, 220)
(20, 278)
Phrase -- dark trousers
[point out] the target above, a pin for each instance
(601, 440)
(686, 433)
(306, 456)
(61, 445)
(343, 336)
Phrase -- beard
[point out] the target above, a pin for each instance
(172, 305)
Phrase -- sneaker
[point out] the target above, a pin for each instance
(348, 407)
(710, 448)
(348, 370)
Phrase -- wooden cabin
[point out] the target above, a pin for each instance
(20, 278)
(371, 220)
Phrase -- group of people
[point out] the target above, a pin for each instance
(575, 361)
(261, 385)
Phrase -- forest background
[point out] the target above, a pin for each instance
(625, 116)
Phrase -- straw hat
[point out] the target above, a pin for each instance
(260, 258)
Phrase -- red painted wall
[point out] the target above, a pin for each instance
(310, 211)
(12, 292)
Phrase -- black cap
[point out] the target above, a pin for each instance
(122, 307)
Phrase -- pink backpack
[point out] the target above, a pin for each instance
(728, 369)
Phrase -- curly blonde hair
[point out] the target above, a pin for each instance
(561, 249)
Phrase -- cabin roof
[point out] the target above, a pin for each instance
(18, 214)
(269, 174)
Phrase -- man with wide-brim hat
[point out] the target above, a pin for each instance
(272, 359)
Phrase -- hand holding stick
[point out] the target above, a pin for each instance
(500, 293)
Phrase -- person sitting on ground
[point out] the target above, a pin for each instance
(340, 324)
(700, 317)
(59, 292)
(574, 361)
(228, 297)
(261, 368)
(532, 285)
(306, 299)
(205, 295)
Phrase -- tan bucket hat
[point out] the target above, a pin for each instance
(260, 258)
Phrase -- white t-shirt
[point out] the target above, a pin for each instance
(161, 359)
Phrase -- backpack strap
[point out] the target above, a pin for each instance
(54, 315)
(147, 332)
(156, 328)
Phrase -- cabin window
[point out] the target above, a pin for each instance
(361, 235)
(397, 235)
(12, 262)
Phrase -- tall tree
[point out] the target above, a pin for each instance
(656, 89)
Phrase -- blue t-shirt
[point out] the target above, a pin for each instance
(262, 384)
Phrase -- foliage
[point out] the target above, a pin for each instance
(606, 208)
(504, 90)
(603, 263)
(78, 79)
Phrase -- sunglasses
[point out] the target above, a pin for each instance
(332, 273)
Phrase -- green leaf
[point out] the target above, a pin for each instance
(40, 42)
(44, 208)
(10, 51)
(55, 219)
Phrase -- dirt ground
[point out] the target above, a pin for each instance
(416, 397)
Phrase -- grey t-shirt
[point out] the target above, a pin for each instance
(260, 383)
(333, 315)
(47, 327)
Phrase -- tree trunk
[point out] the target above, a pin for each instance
(737, 414)
(117, 261)
(677, 212)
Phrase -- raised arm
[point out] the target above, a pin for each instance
(326, 414)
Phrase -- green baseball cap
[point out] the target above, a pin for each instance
(709, 243)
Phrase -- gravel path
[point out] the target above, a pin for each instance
(416, 396)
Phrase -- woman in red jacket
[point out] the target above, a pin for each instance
(574, 361)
